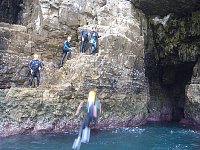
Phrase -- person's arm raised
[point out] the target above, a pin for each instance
(79, 108)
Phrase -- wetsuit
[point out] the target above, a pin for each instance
(66, 51)
(84, 40)
(93, 41)
(34, 66)
(89, 116)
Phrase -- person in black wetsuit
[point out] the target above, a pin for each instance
(35, 66)
(66, 50)
(93, 41)
(84, 39)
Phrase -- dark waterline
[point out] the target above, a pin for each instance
(152, 136)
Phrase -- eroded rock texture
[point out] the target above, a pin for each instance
(170, 62)
(171, 56)
(116, 71)
(164, 7)
(11, 11)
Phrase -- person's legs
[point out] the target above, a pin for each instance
(84, 130)
(63, 57)
(38, 78)
(90, 50)
(81, 47)
(94, 47)
(31, 80)
(83, 125)
(68, 55)
(88, 120)
(81, 128)
(84, 45)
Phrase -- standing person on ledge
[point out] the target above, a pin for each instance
(35, 67)
(84, 39)
(93, 40)
(66, 50)
(92, 112)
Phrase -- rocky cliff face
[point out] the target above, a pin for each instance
(171, 58)
(168, 54)
(116, 71)
(164, 7)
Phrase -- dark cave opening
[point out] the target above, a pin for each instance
(167, 91)
(11, 11)
(179, 77)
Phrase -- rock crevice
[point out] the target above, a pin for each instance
(171, 56)
(116, 71)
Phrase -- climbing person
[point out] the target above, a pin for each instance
(84, 39)
(93, 40)
(35, 66)
(92, 112)
(66, 50)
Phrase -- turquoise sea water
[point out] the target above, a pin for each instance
(147, 137)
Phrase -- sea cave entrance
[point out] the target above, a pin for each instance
(167, 91)
(11, 11)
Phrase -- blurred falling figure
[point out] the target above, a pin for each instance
(93, 109)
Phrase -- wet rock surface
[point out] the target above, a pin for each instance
(146, 65)
(171, 60)
(116, 71)
(29, 110)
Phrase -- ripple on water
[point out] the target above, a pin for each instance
(136, 130)
(148, 137)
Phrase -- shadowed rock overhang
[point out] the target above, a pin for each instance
(164, 7)
(11, 11)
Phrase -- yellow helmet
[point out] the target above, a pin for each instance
(92, 96)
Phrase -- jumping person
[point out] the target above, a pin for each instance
(66, 50)
(84, 39)
(93, 40)
(35, 67)
(93, 110)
